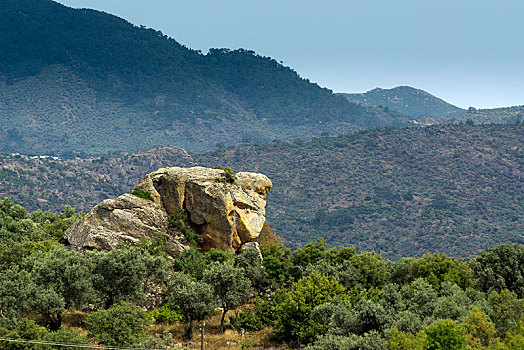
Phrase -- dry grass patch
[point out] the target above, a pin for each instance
(214, 340)
(73, 319)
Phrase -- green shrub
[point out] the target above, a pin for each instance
(277, 262)
(123, 324)
(219, 256)
(369, 341)
(157, 341)
(399, 340)
(65, 335)
(155, 246)
(166, 314)
(180, 222)
(246, 319)
(265, 308)
(228, 176)
(142, 194)
(445, 335)
(30, 330)
(293, 311)
(191, 262)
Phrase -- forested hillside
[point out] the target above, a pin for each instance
(453, 188)
(78, 81)
(84, 182)
(409, 101)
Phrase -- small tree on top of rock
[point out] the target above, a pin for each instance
(142, 194)
(228, 176)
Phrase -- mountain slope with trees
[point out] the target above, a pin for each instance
(428, 109)
(78, 81)
(454, 188)
(504, 115)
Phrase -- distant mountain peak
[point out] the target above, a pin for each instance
(407, 100)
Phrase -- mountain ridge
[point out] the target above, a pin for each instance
(84, 82)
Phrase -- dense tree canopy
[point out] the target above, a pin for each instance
(501, 267)
(337, 298)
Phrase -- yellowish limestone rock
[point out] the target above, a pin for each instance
(227, 215)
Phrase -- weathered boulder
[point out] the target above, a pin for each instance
(226, 214)
(127, 218)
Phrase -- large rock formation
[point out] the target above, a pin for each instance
(226, 214)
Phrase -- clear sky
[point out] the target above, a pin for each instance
(468, 52)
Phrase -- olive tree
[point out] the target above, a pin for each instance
(16, 291)
(194, 298)
(62, 279)
(125, 273)
(230, 285)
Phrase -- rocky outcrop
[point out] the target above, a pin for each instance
(226, 214)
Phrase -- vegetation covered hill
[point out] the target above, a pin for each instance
(78, 81)
(454, 188)
(406, 100)
(428, 109)
(83, 182)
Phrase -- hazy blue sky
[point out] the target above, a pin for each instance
(470, 53)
